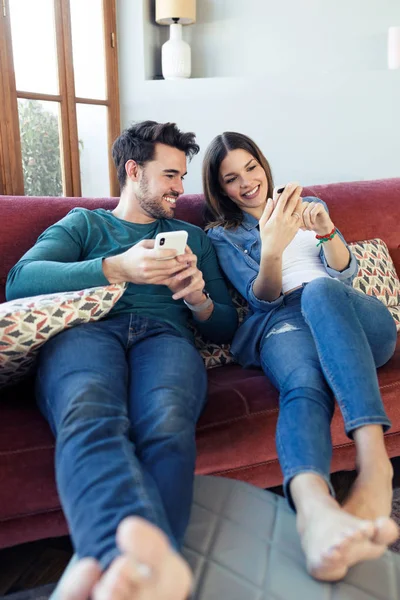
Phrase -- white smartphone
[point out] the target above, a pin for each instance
(172, 240)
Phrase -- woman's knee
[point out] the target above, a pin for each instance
(384, 351)
(308, 375)
(321, 288)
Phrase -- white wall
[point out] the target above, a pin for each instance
(307, 79)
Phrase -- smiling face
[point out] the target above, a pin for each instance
(159, 182)
(244, 181)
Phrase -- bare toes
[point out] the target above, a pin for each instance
(119, 582)
(142, 540)
(386, 531)
(80, 580)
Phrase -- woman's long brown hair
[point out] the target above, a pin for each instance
(220, 208)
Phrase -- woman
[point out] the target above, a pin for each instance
(316, 338)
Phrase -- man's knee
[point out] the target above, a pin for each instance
(93, 406)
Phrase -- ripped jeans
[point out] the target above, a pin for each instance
(325, 341)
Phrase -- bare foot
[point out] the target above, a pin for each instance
(148, 569)
(333, 540)
(371, 498)
(371, 494)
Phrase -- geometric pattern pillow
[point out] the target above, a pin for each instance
(26, 324)
(395, 312)
(377, 275)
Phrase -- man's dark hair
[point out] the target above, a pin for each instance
(138, 143)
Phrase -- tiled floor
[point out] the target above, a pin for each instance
(41, 563)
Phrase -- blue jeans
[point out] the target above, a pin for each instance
(324, 342)
(122, 397)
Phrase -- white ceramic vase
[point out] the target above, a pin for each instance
(176, 55)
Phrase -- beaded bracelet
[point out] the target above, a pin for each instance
(325, 238)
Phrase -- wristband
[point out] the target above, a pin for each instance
(325, 238)
(326, 235)
(200, 307)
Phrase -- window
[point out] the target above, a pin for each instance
(59, 97)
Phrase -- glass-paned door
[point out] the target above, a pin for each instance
(60, 111)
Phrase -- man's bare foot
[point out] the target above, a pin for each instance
(371, 494)
(333, 540)
(147, 569)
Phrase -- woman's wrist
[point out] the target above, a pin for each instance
(270, 254)
(325, 230)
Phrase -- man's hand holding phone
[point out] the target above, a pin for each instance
(163, 261)
(143, 264)
(187, 284)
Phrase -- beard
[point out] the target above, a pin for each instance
(153, 206)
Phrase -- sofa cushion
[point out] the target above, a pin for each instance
(26, 324)
(395, 312)
(376, 273)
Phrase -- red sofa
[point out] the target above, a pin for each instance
(236, 432)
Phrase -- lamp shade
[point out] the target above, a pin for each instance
(394, 48)
(168, 10)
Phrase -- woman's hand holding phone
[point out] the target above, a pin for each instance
(281, 220)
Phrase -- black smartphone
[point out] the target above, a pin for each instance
(277, 191)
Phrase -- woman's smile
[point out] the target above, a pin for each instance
(253, 193)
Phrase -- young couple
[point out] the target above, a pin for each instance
(123, 395)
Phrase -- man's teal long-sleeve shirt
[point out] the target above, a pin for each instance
(68, 256)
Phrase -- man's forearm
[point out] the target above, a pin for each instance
(221, 324)
(32, 278)
(112, 269)
(204, 315)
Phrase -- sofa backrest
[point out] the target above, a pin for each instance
(362, 210)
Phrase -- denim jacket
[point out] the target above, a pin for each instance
(239, 254)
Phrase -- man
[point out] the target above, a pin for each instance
(123, 395)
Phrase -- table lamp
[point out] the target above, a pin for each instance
(175, 53)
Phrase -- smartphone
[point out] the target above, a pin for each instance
(277, 191)
(172, 240)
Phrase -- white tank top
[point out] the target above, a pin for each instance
(301, 262)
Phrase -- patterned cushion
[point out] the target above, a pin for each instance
(215, 355)
(395, 312)
(27, 324)
(377, 275)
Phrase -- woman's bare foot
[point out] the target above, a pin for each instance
(371, 494)
(147, 569)
(333, 540)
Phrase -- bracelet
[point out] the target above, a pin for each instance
(200, 307)
(326, 238)
(326, 235)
